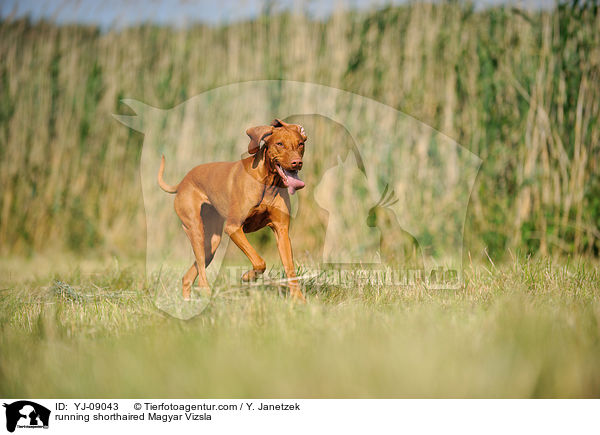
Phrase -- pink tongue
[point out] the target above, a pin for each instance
(294, 183)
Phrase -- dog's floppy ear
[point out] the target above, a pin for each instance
(279, 123)
(257, 134)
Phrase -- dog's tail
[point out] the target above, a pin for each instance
(164, 186)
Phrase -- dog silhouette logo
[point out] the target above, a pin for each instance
(343, 218)
(26, 414)
(348, 240)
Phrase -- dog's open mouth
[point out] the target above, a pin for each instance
(290, 179)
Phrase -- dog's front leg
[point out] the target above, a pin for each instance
(236, 233)
(287, 259)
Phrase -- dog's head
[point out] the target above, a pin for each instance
(283, 150)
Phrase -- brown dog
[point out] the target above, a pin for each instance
(242, 196)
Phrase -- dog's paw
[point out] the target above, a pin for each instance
(252, 275)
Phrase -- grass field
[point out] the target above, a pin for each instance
(525, 329)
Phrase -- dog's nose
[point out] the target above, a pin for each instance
(296, 164)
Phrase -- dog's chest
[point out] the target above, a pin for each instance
(260, 215)
(258, 218)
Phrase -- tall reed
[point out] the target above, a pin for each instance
(519, 89)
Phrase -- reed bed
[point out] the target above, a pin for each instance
(518, 88)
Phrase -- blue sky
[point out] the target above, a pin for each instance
(109, 13)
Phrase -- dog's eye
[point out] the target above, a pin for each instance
(279, 144)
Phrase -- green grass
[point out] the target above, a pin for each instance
(525, 329)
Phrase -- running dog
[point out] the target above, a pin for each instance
(242, 197)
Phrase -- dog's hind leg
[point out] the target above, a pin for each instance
(188, 209)
(213, 231)
(196, 236)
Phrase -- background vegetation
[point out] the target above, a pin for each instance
(520, 89)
